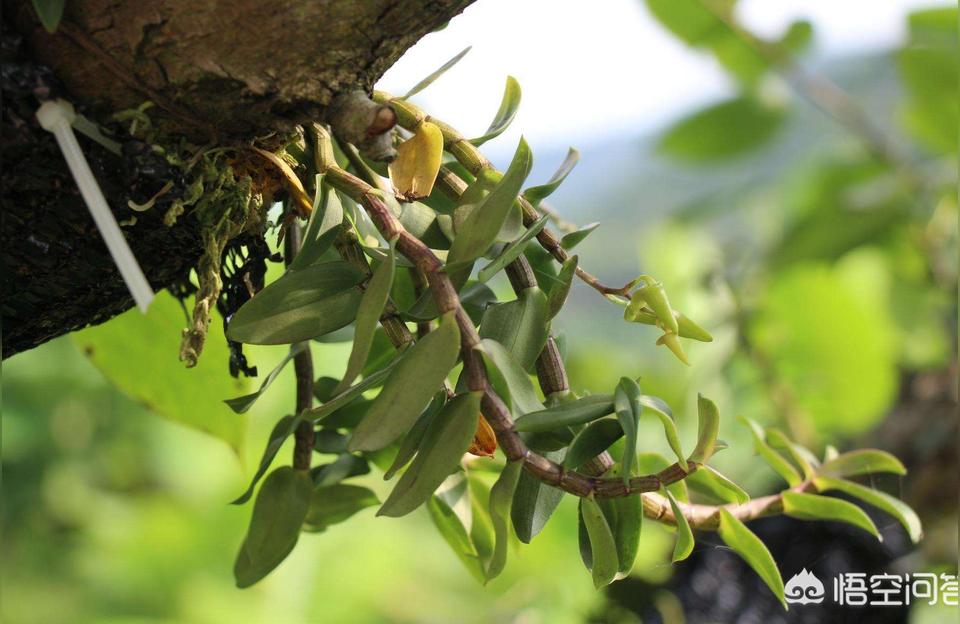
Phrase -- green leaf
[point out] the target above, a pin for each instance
(281, 431)
(665, 414)
(523, 397)
(445, 442)
(243, 403)
(626, 402)
(896, 508)
(426, 82)
(560, 288)
(578, 412)
(860, 462)
(602, 545)
(368, 316)
(322, 227)
(409, 388)
(722, 130)
(455, 535)
(838, 358)
(50, 12)
(594, 439)
(512, 251)
(685, 541)
(628, 511)
(505, 114)
(571, 240)
(300, 305)
(344, 467)
(278, 514)
(814, 507)
(536, 194)
(521, 325)
(774, 459)
(474, 297)
(411, 441)
(501, 501)
(483, 224)
(708, 426)
(801, 457)
(707, 480)
(741, 540)
(534, 502)
(346, 397)
(135, 351)
(335, 503)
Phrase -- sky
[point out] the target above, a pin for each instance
(589, 70)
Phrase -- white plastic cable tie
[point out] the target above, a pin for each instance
(57, 117)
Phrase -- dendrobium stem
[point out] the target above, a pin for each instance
(409, 116)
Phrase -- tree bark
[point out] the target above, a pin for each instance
(215, 71)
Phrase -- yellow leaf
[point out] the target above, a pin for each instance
(415, 169)
(294, 186)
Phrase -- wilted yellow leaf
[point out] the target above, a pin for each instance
(303, 204)
(415, 169)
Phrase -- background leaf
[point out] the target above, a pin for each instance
(137, 353)
(335, 503)
(602, 545)
(521, 325)
(505, 114)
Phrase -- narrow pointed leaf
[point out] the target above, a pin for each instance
(523, 397)
(281, 431)
(455, 534)
(335, 503)
(347, 396)
(860, 462)
(521, 326)
(813, 507)
(50, 12)
(299, 306)
(626, 402)
(426, 82)
(501, 500)
(602, 545)
(409, 388)
(245, 402)
(482, 226)
(368, 316)
(665, 414)
(534, 502)
(594, 439)
(684, 544)
(505, 114)
(769, 455)
(881, 500)
(321, 229)
(560, 288)
(512, 251)
(799, 456)
(571, 240)
(278, 514)
(579, 412)
(536, 194)
(707, 429)
(411, 441)
(742, 540)
(445, 442)
(708, 481)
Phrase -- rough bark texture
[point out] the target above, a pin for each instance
(217, 71)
